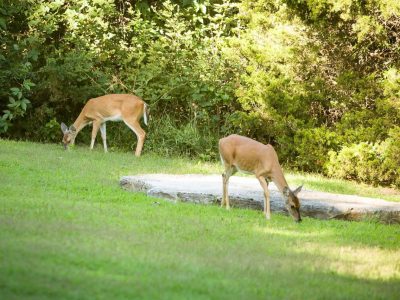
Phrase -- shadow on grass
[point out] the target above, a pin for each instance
(115, 263)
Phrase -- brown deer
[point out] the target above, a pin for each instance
(239, 153)
(115, 107)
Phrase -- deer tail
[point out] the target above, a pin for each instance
(146, 114)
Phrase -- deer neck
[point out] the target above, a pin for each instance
(79, 123)
(279, 180)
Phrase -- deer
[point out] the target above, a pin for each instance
(114, 107)
(240, 153)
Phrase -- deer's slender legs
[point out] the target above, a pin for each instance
(95, 129)
(134, 125)
(104, 135)
(264, 185)
(224, 189)
(229, 171)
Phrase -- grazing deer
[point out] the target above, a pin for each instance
(114, 107)
(239, 153)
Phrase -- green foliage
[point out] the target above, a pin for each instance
(16, 61)
(391, 88)
(372, 163)
(358, 161)
(170, 139)
(392, 157)
(51, 131)
(17, 105)
(312, 147)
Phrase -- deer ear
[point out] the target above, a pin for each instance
(296, 191)
(286, 191)
(72, 128)
(64, 128)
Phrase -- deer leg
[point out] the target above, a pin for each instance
(140, 133)
(225, 182)
(104, 135)
(264, 185)
(95, 129)
(224, 189)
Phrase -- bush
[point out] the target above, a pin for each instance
(357, 162)
(392, 156)
(312, 147)
(374, 163)
(168, 138)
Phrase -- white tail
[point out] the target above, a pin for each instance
(239, 153)
(115, 107)
(146, 114)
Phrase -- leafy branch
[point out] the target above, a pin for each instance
(17, 105)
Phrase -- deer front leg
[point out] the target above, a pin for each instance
(264, 185)
(229, 171)
(95, 129)
(224, 189)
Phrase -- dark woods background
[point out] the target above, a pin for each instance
(318, 79)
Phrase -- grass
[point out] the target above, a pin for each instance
(67, 231)
(319, 183)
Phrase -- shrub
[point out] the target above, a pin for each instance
(312, 147)
(166, 137)
(375, 163)
(356, 162)
(392, 156)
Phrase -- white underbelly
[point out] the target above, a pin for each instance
(115, 118)
(243, 171)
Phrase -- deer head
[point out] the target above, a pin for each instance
(69, 135)
(292, 203)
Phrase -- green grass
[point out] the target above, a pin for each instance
(331, 185)
(67, 231)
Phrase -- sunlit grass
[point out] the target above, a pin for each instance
(356, 261)
(331, 185)
(68, 231)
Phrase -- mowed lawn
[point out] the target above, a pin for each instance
(67, 231)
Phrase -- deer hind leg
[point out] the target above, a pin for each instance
(229, 171)
(134, 125)
(264, 185)
(95, 129)
(104, 135)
